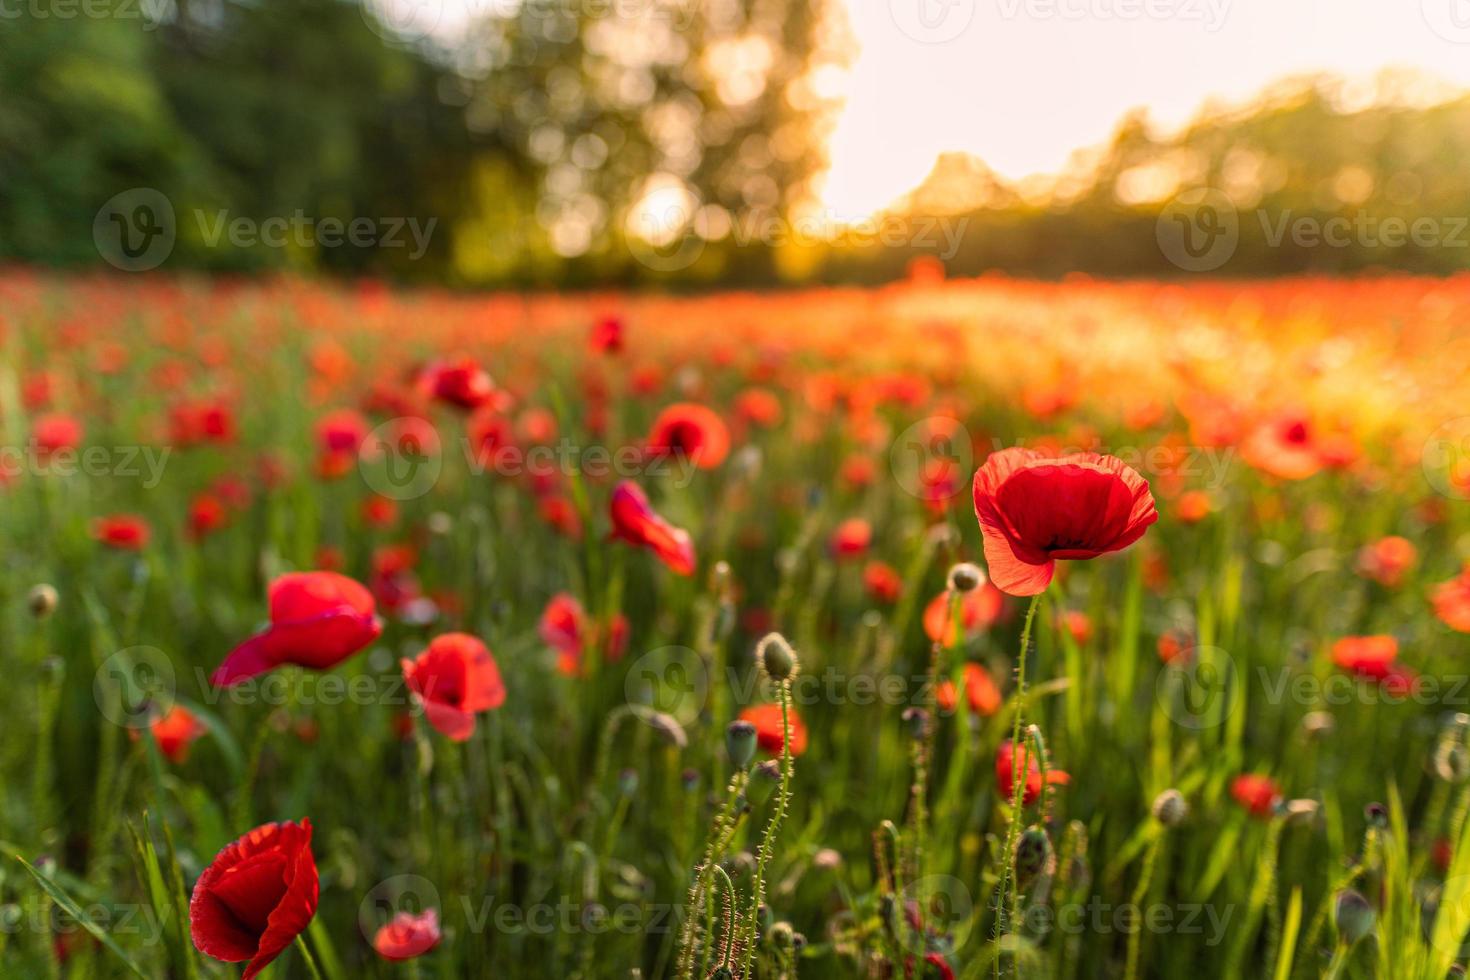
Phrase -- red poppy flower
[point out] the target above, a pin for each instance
(207, 514)
(1192, 507)
(1284, 447)
(378, 511)
(882, 581)
(1174, 645)
(256, 896)
(339, 437)
(174, 733)
(692, 432)
(1035, 509)
(563, 627)
(1452, 602)
(768, 728)
(125, 532)
(491, 438)
(1366, 656)
(607, 336)
(851, 538)
(635, 522)
(1077, 622)
(980, 690)
(1387, 560)
(393, 582)
(318, 619)
(1005, 774)
(1257, 793)
(979, 609)
(407, 935)
(461, 383)
(455, 677)
(758, 406)
(936, 960)
(55, 432)
(615, 638)
(561, 514)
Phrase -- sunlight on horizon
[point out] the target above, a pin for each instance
(1021, 84)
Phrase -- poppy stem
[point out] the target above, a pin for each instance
(1020, 769)
(311, 967)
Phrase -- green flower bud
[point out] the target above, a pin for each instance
(1169, 808)
(764, 778)
(740, 743)
(1353, 915)
(776, 657)
(1033, 854)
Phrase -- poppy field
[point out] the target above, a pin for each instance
(947, 629)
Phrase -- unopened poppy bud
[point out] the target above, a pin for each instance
(1170, 808)
(1377, 815)
(669, 729)
(763, 779)
(966, 577)
(42, 600)
(1353, 916)
(798, 941)
(690, 779)
(777, 658)
(1451, 760)
(1033, 854)
(1316, 724)
(917, 720)
(827, 859)
(740, 743)
(628, 782)
(1301, 811)
(782, 935)
(738, 865)
(440, 523)
(719, 577)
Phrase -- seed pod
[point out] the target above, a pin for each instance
(917, 720)
(1353, 916)
(1170, 808)
(1033, 855)
(782, 935)
(740, 743)
(764, 778)
(777, 658)
(966, 577)
(42, 600)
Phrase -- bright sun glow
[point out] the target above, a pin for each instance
(1022, 83)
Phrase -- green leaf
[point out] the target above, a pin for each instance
(71, 908)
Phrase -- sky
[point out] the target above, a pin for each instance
(1022, 83)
